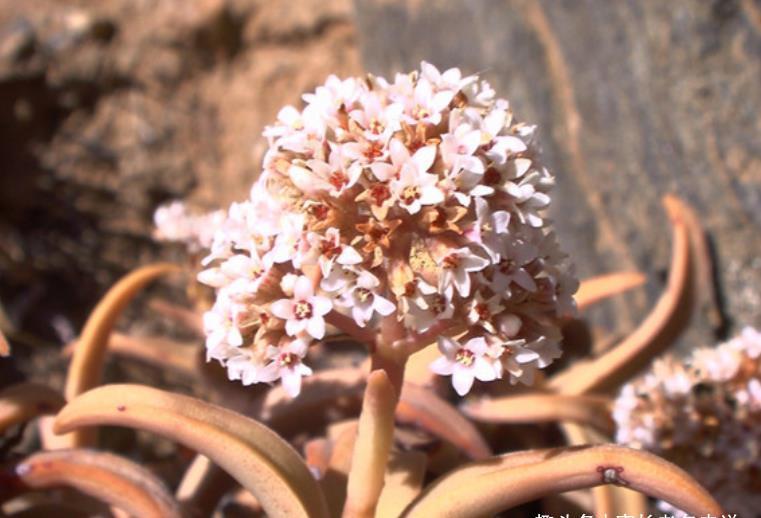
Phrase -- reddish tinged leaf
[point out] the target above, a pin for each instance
(186, 317)
(601, 287)
(250, 452)
(24, 401)
(202, 487)
(107, 477)
(659, 330)
(425, 409)
(86, 367)
(403, 482)
(317, 456)
(5, 347)
(160, 352)
(592, 411)
(484, 490)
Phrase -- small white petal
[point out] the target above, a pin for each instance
(316, 327)
(282, 308)
(462, 381)
(442, 366)
(383, 306)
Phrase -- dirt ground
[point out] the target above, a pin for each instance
(108, 109)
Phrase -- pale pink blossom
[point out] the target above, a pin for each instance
(465, 363)
(456, 267)
(305, 312)
(414, 187)
(418, 203)
(287, 365)
(327, 250)
(489, 229)
(458, 148)
(364, 300)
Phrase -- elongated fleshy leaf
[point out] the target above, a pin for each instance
(86, 367)
(202, 486)
(706, 290)
(318, 392)
(190, 319)
(317, 456)
(252, 453)
(5, 347)
(403, 482)
(592, 410)
(342, 436)
(601, 287)
(419, 406)
(467, 493)
(422, 407)
(107, 477)
(372, 447)
(603, 496)
(24, 401)
(664, 323)
(156, 351)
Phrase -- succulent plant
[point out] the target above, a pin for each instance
(702, 413)
(407, 217)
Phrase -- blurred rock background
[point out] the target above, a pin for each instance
(108, 109)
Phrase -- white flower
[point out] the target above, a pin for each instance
(243, 366)
(305, 311)
(420, 200)
(245, 272)
(174, 223)
(287, 365)
(288, 241)
(335, 177)
(458, 147)
(512, 268)
(702, 412)
(456, 267)
(488, 229)
(328, 250)
(435, 307)
(514, 357)
(330, 97)
(363, 300)
(481, 311)
(464, 363)
(450, 79)
(378, 121)
(415, 188)
(222, 327)
(425, 105)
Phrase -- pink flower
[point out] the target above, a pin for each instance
(458, 148)
(489, 229)
(364, 300)
(464, 363)
(415, 188)
(287, 365)
(328, 250)
(456, 267)
(425, 105)
(305, 311)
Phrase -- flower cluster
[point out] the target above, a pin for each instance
(174, 223)
(704, 415)
(418, 202)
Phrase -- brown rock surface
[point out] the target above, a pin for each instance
(109, 108)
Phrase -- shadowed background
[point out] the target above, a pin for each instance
(109, 108)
